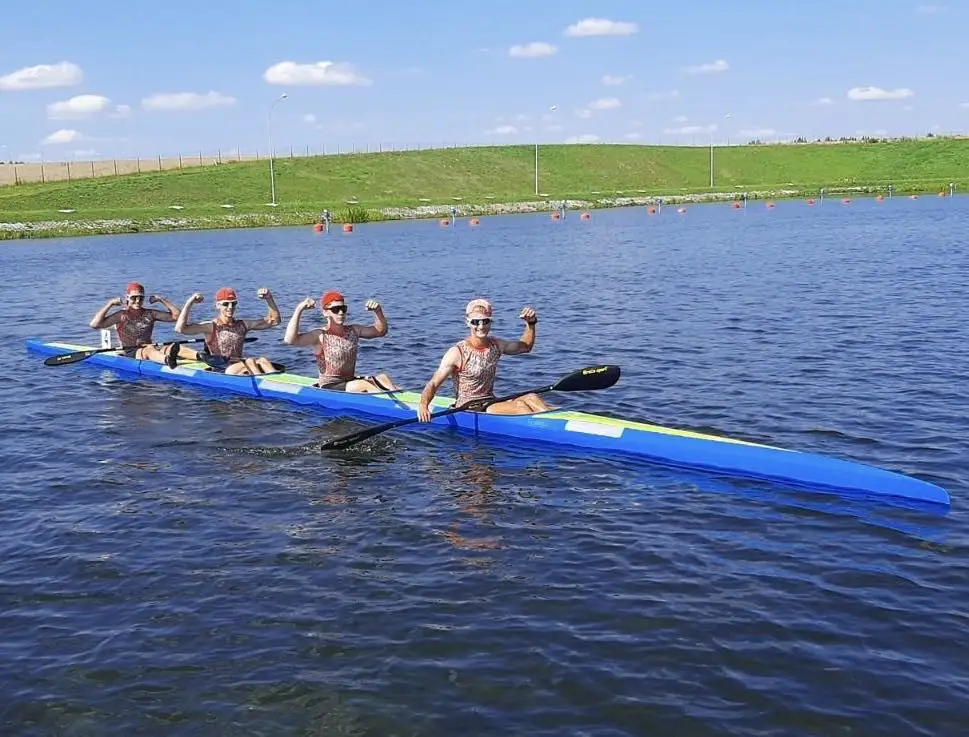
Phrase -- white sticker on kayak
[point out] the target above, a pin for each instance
(283, 387)
(594, 428)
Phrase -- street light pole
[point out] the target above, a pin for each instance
(551, 109)
(269, 126)
(725, 117)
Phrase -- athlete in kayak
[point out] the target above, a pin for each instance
(473, 364)
(135, 323)
(225, 335)
(335, 346)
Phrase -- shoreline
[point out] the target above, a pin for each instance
(118, 226)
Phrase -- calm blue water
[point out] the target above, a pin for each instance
(153, 582)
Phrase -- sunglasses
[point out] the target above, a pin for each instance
(136, 297)
(479, 321)
(338, 308)
(227, 303)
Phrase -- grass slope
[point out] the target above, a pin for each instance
(488, 174)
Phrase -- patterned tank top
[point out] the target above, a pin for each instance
(135, 327)
(475, 377)
(336, 356)
(227, 340)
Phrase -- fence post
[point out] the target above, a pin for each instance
(220, 155)
(179, 162)
(138, 163)
(16, 177)
(115, 167)
(159, 162)
(200, 158)
(238, 154)
(290, 152)
(68, 171)
(92, 170)
(43, 175)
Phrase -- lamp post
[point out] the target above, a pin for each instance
(725, 117)
(269, 126)
(551, 109)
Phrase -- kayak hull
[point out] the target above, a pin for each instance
(652, 443)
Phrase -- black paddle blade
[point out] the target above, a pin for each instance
(345, 441)
(66, 358)
(588, 379)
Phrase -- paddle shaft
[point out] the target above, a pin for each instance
(66, 358)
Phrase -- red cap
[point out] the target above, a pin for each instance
(331, 297)
(134, 288)
(226, 293)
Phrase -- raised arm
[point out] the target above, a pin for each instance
(449, 363)
(272, 318)
(182, 325)
(379, 328)
(173, 311)
(293, 335)
(527, 341)
(102, 319)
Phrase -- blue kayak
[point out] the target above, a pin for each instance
(652, 443)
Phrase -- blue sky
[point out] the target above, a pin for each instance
(118, 79)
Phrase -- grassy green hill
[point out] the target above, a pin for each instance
(488, 174)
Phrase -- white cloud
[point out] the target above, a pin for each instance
(713, 67)
(877, 93)
(964, 104)
(81, 106)
(186, 101)
(930, 9)
(822, 102)
(633, 136)
(601, 27)
(758, 132)
(64, 135)
(680, 118)
(614, 81)
(584, 138)
(605, 103)
(502, 130)
(671, 95)
(42, 76)
(689, 130)
(533, 50)
(315, 74)
(309, 118)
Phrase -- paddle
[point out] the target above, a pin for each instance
(583, 380)
(66, 358)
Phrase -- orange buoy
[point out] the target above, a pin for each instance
(845, 201)
(318, 227)
(735, 205)
(348, 227)
(941, 194)
(651, 211)
(879, 198)
(810, 201)
(474, 221)
(913, 196)
(681, 210)
(556, 216)
(585, 216)
(770, 205)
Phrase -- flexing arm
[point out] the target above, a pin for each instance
(527, 341)
(293, 335)
(173, 311)
(449, 363)
(379, 328)
(182, 325)
(272, 318)
(101, 318)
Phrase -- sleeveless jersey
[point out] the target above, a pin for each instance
(227, 340)
(474, 378)
(135, 327)
(336, 356)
